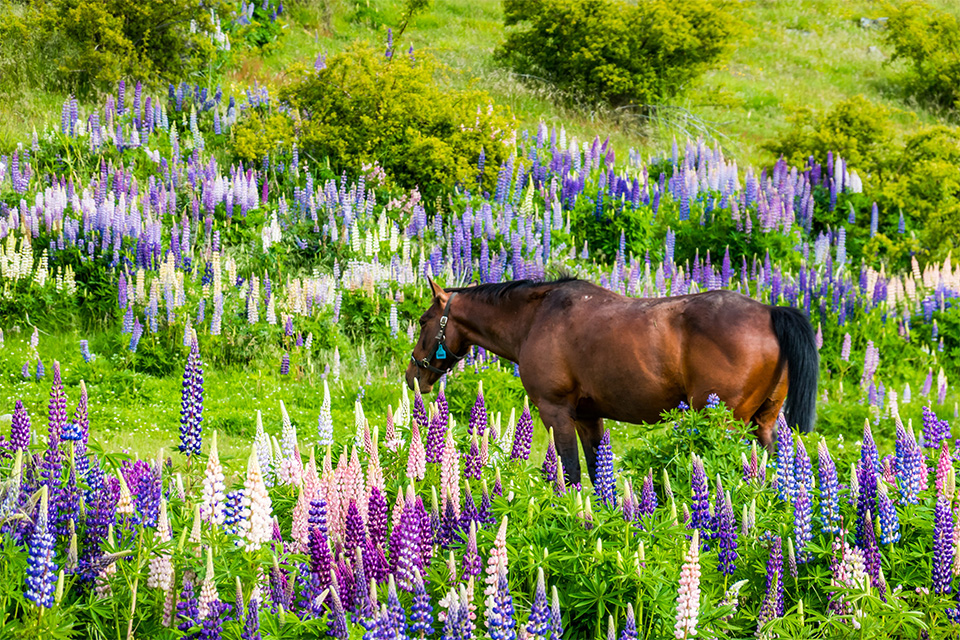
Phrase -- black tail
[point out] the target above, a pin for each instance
(798, 344)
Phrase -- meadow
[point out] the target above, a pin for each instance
(207, 433)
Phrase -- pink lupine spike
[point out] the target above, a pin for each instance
(450, 472)
(300, 527)
(944, 466)
(688, 597)
(417, 458)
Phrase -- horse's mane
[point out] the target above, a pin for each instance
(496, 291)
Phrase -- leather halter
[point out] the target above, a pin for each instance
(441, 351)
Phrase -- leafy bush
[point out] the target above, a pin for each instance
(856, 129)
(89, 44)
(398, 111)
(623, 53)
(929, 40)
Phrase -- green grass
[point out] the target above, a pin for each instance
(800, 53)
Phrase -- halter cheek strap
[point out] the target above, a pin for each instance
(441, 352)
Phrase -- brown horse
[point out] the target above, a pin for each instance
(586, 354)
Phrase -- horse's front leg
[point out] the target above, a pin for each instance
(560, 417)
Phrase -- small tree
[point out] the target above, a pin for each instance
(623, 53)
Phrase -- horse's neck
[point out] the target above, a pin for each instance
(499, 327)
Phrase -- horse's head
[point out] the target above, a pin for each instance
(440, 341)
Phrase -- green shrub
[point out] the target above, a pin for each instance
(623, 53)
(400, 113)
(85, 45)
(930, 41)
(856, 129)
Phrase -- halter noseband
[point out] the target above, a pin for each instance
(441, 352)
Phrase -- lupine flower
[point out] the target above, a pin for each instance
(417, 459)
(549, 468)
(41, 569)
(942, 546)
(285, 365)
(523, 436)
(256, 528)
(208, 590)
(700, 517)
(538, 622)
(688, 597)
(212, 507)
(478, 415)
(161, 566)
(191, 404)
(727, 534)
(802, 521)
(829, 490)
(251, 626)
(774, 574)
(421, 612)
(20, 428)
(648, 496)
(713, 401)
(889, 523)
(85, 351)
(606, 487)
(786, 483)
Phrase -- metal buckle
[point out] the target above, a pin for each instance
(443, 322)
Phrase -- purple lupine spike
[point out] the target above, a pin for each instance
(251, 625)
(866, 495)
(285, 365)
(377, 516)
(478, 415)
(354, 535)
(829, 490)
(700, 498)
(20, 428)
(538, 622)
(502, 621)
(41, 580)
(485, 513)
(321, 559)
(871, 556)
(786, 483)
(523, 436)
(802, 523)
(868, 451)
(421, 612)
(472, 464)
(472, 563)
(57, 410)
(420, 411)
(942, 546)
(889, 523)
(549, 468)
(606, 485)
(727, 534)
(191, 403)
(774, 572)
(435, 436)
(648, 496)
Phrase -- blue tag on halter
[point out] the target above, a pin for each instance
(441, 352)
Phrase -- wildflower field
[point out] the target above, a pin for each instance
(209, 435)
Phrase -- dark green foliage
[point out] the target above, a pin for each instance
(366, 109)
(930, 41)
(621, 53)
(87, 45)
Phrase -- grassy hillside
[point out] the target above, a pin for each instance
(800, 53)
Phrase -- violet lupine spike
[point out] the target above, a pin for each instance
(727, 534)
(774, 571)
(549, 468)
(20, 428)
(523, 436)
(57, 407)
(786, 483)
(943, 546)
(538, 622)
(700, 497)
(866, 498)
(829, 490)
(606, 485)
(421, 611)
(802, 523)
(191, 403)
(871, 556)
(478, 415)
(41, 580)
(889, 522)
(868, 450)
(435, 436)
(648, 496)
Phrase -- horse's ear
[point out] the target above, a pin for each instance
(438, 292)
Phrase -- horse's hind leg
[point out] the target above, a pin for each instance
(591, 433)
